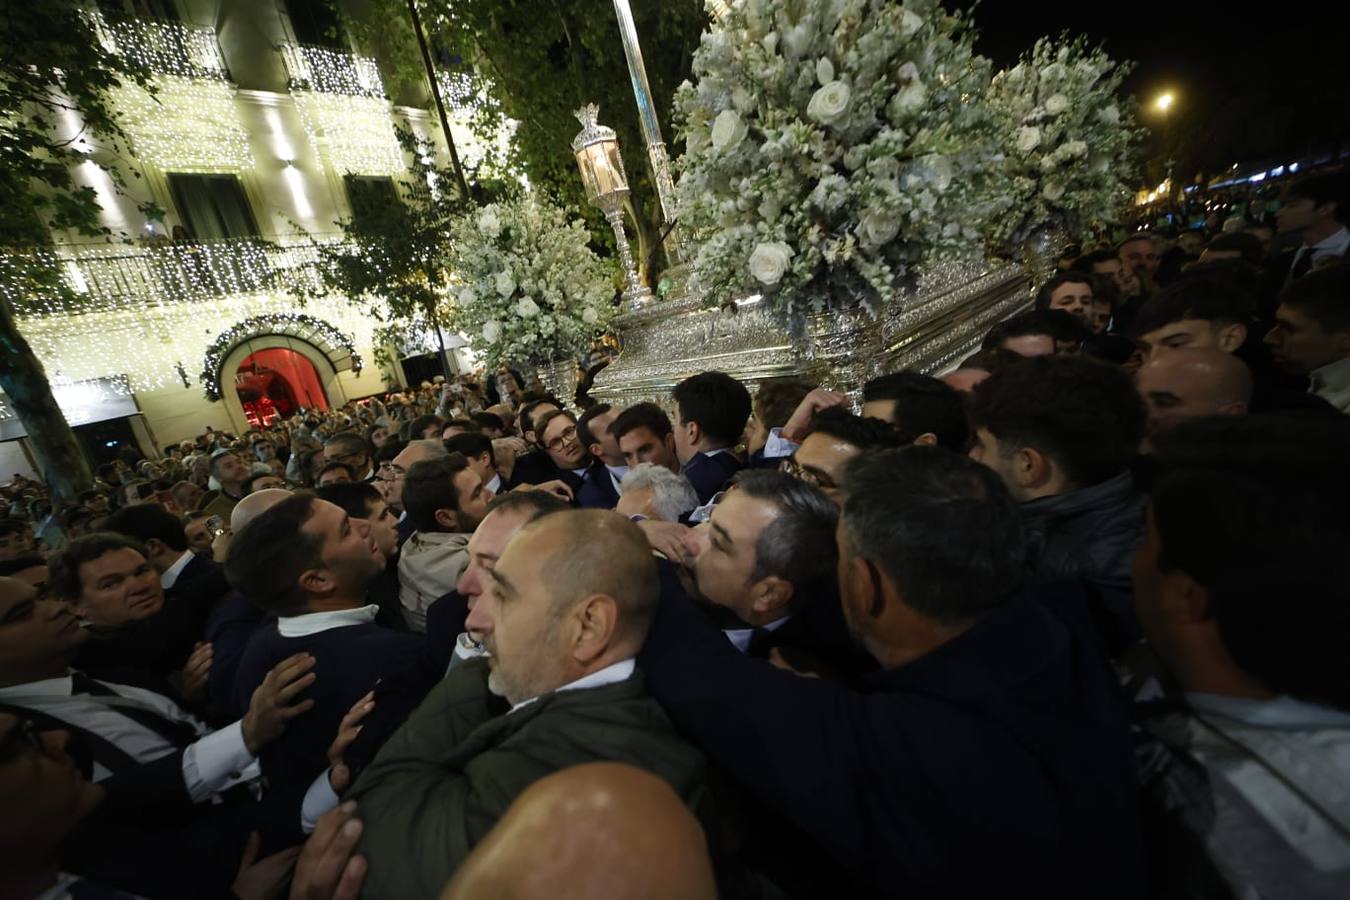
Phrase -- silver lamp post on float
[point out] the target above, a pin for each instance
(597, 152)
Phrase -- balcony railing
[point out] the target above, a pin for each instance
(108, 278)
(327, 71)
(165, 47)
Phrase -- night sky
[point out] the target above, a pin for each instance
(1250, 86)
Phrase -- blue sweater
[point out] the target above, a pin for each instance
(347, 662)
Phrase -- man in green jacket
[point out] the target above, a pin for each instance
(567, 607)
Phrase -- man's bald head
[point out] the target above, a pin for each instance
(1192, 382)
(254, 505)
(595, 830)
(596, 551)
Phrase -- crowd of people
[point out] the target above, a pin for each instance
(1065, 620)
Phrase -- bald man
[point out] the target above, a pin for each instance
(235, 618)
(566, 607)
(598, 830)
(1190, 383)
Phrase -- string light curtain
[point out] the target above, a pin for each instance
(344, 111)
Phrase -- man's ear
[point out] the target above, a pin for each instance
(769, 594)
(1185, 600)
(594, 621)
(693, 431)
(447, 519)
(927, 439)
(862, 583)
(154, 547)
(1031, 467)
(1231, 337)
(317, 581)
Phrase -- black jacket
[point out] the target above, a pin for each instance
(1090, 535)
(1000, 758)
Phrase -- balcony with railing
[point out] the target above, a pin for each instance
(117, 278)
(169, 48)
(323, 70)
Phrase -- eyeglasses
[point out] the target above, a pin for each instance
(568, 436)
(794, 468)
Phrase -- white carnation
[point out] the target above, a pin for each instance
(829, 103)
(1109, 114)
(1074, 149)
(1052, 191)
(910, 23)
(824, 70)
(1028, 138)
(590, 316)
(1056, 104)
(769, 262)
(728, 130)
(492, 330)
(526, 308)
(505, 284)
(830, 193)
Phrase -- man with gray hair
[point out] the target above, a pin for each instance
(650, 491)
(764, 565)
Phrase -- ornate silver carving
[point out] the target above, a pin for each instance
(560, 377)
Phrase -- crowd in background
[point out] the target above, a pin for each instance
(1067, 620)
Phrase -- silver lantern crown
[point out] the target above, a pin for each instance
(597, 151)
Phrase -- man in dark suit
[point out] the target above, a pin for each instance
(561, 441)
(765, 567)
(990, 749)
(603, 480)
(1317, 210)
(312, 564)
(181, 572)
(712, 409)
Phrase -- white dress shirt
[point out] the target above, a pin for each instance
(1332, 384)
(616, 474)
(313, 623)
(777, 446)
(215, 762)
(495, 485)
(740, 637)
(1336, 244)
(612, 674)
(171, 574)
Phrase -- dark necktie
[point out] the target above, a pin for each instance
(180, 734)
(761, 642)
(1302, 265)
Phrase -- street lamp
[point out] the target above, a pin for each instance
(597, 152)
(1163, 103)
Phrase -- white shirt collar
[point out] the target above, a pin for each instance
(612, 674)
(616, 474)
(171, 574)
(1283, 712)
(1336, 243)
(313, 623)
(48, 687)
(740, 637)
(1333, 376)
(717, 451)
(495, 485)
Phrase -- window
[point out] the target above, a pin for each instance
(212, 206)
(316, 22)
(373, 200)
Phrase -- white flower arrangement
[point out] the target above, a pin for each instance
(832, 148)
(528, 287)
(1068, 138)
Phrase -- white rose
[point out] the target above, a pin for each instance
(910, 22)
(590, 316)
(505, 284)
(829, 103)
(728, 130)
(488, 222)
(492, 329)
(1109, 114)
(526, 308)
(878, 229)
(1056, 104)
(769, 263)
(1052, 191)
(1074, 149)
(824, 70)
(1028, 138)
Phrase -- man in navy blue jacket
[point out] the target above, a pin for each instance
(712, 409)
(311, 564)
(990, 750)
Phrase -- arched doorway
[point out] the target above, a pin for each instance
(276, 382)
